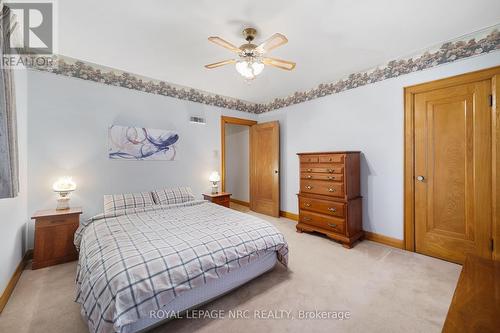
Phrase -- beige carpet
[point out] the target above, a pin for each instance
(384, 289)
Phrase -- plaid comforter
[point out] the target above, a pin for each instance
(137, 260)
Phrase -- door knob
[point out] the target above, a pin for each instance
(276, 171)
(420, 178)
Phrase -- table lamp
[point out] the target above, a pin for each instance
(63, 187)
(214, 179)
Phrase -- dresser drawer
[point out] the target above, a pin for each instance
(321, 176)
(309, 159)
(322, 187)
(331, 158)
(322, 206)
(322, 221)
(322, 168)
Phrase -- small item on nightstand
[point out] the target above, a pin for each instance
(63, 187)
(214, 179)
(54, 233)
(222, 198)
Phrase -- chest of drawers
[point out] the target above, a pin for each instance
(329, 199)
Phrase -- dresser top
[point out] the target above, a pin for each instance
(329, 152)
(55, 212)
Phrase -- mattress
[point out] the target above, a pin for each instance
(210, 291)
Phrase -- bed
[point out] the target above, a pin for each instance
(168, 257)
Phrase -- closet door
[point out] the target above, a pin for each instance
(264, 168)
(453, 191)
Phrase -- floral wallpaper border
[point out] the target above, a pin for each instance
(67, 66)
(488, 40)
(481, 42)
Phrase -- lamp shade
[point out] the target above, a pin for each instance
(64, 184)
(214, 177)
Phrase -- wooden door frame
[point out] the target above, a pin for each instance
(223, 121)
(492, 74)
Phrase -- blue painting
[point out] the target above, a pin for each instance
(137, 143)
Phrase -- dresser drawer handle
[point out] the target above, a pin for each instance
(309, 170)
(306, 219)
(330, 170)
(308, 204)
(308, 176)
(331, 190)
(333, 225)
(309, 187)
(331, 177)
(332, 209)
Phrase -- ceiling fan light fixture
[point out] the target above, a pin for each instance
(249, 69)
(251, 59)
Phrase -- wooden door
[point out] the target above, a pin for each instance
(453, 173)
(264, 168)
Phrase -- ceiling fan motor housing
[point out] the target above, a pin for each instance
(249, 34)
(248, 50)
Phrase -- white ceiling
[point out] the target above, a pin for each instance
(328, 39)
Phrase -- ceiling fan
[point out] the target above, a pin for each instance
(251, 59)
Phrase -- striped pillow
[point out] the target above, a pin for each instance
(114, 202)
(176, 195)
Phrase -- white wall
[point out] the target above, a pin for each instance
(369, 119)
(68, 121)
(13, 212)
(238, 161)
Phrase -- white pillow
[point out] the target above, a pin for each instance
(114, 202)
(176, 195)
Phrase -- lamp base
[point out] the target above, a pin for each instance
(62, 203)
(215, 189)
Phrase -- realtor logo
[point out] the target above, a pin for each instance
(33, 26)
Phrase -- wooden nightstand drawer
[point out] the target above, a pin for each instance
(221, 198)
(54, 233)
(52, 222)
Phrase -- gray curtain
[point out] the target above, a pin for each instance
(9, 164)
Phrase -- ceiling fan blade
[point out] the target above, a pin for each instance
(224, 43)
(273, 42)
(282, 64)
(220, 63)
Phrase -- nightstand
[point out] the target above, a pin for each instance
(221, 198)
(54, 233)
